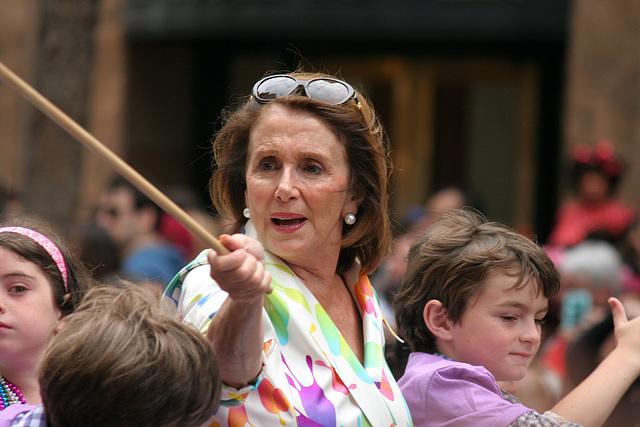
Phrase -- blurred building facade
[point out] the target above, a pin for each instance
(489, 95)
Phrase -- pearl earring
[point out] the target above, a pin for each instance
(350, 219)
(246, 213)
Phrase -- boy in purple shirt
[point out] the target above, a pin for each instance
(471, 305)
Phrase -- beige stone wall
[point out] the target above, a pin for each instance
(18, 37)
(19, 29)
(106, 104)
(603, 82)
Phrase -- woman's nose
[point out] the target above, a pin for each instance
(287, 185)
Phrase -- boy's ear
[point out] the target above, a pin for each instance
(437, 320)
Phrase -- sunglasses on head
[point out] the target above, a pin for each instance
(323, 89)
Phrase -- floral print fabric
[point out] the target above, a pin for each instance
(310, 376)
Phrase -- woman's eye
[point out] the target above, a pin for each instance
(313, 168)
(266, 165)
(509, 318)
(541, 321)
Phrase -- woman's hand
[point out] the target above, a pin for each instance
(241, 272)
(236, 331)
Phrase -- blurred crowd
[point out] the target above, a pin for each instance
(127, 236)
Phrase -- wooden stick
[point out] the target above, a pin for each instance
(130, 174)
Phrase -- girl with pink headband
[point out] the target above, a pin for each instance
(41, 281)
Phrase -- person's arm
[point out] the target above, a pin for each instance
(236, 330)
(592, 401)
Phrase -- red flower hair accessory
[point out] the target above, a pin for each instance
(602, 156)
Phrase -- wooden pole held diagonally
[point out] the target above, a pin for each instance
(89, 141)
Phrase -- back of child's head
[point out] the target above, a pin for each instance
(121, 361)
(449, 262)
(36, 242)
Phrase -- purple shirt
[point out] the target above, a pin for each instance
(442, 392)
(23, 415)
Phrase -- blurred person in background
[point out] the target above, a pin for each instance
(96, 250)
(386, 281)
(133, 220)
(448, 198)
(630, 251)
(10, 202)
(188, 244)
(595, 175)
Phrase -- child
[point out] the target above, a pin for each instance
(471, 305)
(40, 282)
(120, 360)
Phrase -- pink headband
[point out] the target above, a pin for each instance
(47, 245)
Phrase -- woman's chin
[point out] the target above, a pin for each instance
(288, 250)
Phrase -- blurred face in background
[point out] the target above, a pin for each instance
(117, 214)
(593, 187)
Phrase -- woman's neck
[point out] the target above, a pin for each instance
(330, 290)
(319, 282)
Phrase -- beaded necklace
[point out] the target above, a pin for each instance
(9, 394)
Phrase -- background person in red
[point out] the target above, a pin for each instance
(594, 209)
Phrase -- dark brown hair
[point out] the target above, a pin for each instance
(368, 156)
(449, 263)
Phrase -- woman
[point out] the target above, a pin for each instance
(291, 314)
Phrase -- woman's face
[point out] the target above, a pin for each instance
(297, 186)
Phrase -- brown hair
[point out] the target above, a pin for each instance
(120, 360)
(79, 278)
(449, 263)
(368, 156)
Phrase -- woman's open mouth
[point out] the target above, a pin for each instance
(287, 223)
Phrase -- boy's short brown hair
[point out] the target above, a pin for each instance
(119, 360)
(449, 263)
